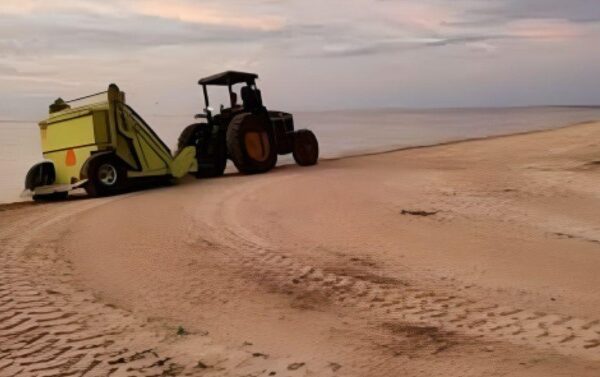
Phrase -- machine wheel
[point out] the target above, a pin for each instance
(217, 162)
(306, 148)
(41, 174)
(212, 151)
(54, 197)
(106, 176)
(188, 136)
(251, 144)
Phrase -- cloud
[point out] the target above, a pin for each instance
(544, 29)
(72, 27)
(206, 12)
(36, 79)
(293, 27)
(34, 35)
(209, 15)
(89, 42)
(418, 15)
(384, 27)
(30, 7)
(396, 45)
(571, 10)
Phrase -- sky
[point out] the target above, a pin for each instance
(310, 54)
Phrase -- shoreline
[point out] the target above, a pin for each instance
(19, 204)
(454, 142)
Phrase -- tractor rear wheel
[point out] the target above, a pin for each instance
(106, 176)
(306, 148)
(251, 144)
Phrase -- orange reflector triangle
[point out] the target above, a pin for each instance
(71, 159)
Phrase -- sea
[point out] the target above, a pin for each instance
(341, 133)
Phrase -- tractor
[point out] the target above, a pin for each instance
(101, 144)
(246, 133)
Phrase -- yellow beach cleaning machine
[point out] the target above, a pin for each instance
(101, 144)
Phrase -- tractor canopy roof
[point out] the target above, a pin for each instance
(229, 78)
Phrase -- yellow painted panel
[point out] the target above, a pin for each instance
(183, 162)
(124, 152)
(69, 133)
(64, 173)
(152, 159)
(101, 127)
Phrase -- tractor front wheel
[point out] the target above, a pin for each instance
(106, 176)
(306, 148)
(210, 148)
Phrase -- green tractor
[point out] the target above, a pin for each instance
(101, 144)
(246, 133)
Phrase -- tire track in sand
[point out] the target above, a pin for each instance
(391, 302)
(47, 328)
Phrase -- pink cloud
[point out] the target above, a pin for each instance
(181, 10)
(551, 30)
(419, 15)
(187, 11)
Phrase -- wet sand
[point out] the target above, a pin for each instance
(468, 259)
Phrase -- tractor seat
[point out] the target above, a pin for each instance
(251, 98)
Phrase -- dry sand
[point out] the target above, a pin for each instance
(478, 258)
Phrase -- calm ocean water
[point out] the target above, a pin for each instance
(340, 133)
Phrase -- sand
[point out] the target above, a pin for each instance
(468, 259)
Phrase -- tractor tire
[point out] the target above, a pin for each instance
(106, 176)
(306, 148)
(251, 144)
(218, 162)
(211, 152)
(188, 136)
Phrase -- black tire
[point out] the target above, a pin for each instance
(306, 148)
(251, 144)
(54, 197)
(217, 163)
(106, 175)
(211, 149)
(41, 174)
(188, 136)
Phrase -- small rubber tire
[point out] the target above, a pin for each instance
(54, 197)
(106, 176)
(41, 174)
(251, 144)
(306, 148)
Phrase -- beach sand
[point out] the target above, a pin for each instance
(476, 258)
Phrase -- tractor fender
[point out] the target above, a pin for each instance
(84, 167)
(40, 174)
